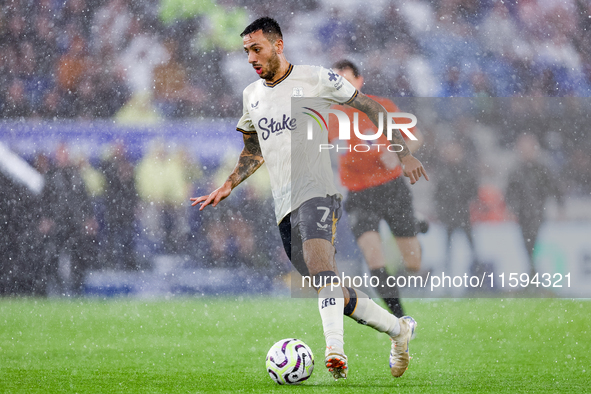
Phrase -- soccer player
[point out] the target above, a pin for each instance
(305, 195)
(377, 191)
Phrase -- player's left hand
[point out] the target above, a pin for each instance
(413, 169)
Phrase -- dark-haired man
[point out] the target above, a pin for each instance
(377, 192)
(304, 194)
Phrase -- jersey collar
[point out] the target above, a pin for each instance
(277, 82)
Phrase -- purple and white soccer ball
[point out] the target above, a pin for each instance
(290, 361)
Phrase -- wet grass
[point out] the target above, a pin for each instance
(193, 345)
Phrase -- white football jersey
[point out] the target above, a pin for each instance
(297, 168)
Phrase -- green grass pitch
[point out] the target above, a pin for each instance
(195, 345)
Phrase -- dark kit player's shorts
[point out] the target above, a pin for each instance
(315, 218)
(391, 201)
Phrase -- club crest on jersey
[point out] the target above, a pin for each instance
(297, 92)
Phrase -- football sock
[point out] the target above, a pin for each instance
(388, 294)
(371, 314)
(350, 307)
(331, 304)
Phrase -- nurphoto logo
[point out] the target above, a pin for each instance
(322, 119)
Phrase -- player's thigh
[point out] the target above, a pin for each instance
(319, 256)
(316, 221)
(292, 243)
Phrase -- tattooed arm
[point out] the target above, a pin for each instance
(249, 161)
(372, 109)
(413, 169)
(251, 158)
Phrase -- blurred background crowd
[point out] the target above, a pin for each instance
(153, 62)
(119, 211)
(178, 58)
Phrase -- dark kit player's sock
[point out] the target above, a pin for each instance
(388, 294)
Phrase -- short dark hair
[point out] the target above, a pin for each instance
(268, 25)
(347, 64)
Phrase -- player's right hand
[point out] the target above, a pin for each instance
(213, 198)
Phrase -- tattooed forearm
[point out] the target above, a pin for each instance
(251, 158)
(372, 109)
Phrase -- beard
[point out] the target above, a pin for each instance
(273, 67)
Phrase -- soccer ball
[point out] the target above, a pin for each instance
(290, 361)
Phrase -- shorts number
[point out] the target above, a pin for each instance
(326, 212)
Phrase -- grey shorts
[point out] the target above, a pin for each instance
(315, 218)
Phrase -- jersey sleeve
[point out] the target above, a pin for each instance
(336, 88)
(245, 125)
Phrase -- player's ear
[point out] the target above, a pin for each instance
(279, 46)
(361, 80)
